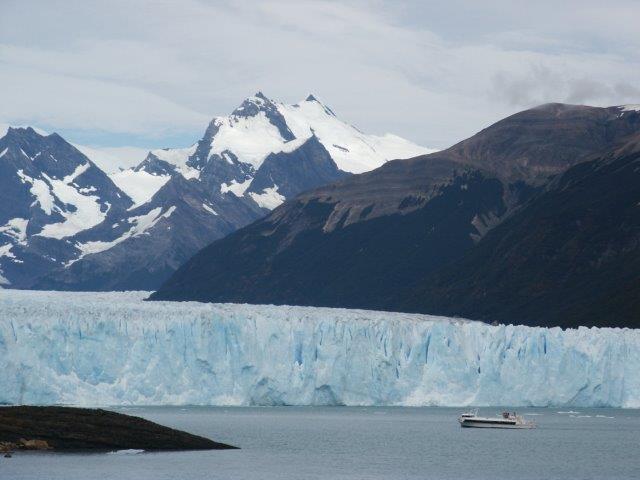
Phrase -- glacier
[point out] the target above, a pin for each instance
(116, 349)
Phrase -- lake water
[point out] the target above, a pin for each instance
(363, 443)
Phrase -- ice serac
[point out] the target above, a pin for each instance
(113, 348)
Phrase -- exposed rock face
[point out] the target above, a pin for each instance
(373, 240)
(80, 429)
(24, 444)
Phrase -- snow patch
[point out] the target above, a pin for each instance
(269, 198)
(178, 157)
(79, 170)
(5, 251)
(26, 155)
(235, 187)
(16, 228)
(88, 211)
(209, 209)
(291, 145)
(141, 224)
(41, 190)
(630, 108)
(251, 139)
(227, 157)
(140, 185)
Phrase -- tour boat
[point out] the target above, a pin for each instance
(506, 420)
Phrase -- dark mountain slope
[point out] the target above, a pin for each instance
(349, 267)
(368, 240)
(571, 257)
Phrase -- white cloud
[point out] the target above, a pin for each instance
(430, 71)
(114, 159)
(65, 101)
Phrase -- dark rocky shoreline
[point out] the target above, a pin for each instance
(86, 430)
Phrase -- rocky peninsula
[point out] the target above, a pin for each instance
(86, 430)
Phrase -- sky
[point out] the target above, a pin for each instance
(126, 76)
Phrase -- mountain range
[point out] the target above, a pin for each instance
(534, 220)
(66, 224)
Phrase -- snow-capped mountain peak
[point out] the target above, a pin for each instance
(133, 227)
(353, 150)
(260, 126)
(312, 98)
(258, 156)
(49, 192)
(4, 129)
(253, 105)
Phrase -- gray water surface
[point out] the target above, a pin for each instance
(363, 443)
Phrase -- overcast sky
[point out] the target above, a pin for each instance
(153, 73)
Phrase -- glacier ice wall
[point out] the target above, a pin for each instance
(113, 348)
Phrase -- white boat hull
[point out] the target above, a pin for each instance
(488, 424)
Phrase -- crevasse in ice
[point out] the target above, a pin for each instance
(115, 349)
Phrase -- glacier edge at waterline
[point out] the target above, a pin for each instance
(115, 349)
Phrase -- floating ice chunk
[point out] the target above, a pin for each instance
(129, 451)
